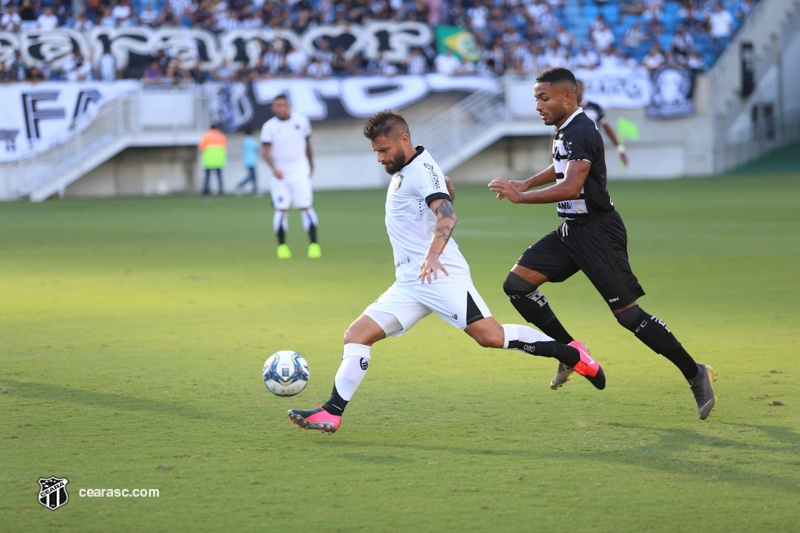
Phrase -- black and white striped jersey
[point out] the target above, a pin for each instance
(579, 140)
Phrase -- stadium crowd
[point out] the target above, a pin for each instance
(515, 36)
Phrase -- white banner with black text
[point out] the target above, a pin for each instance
(37, 117)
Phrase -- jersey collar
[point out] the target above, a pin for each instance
(565, 124)
(420, 149)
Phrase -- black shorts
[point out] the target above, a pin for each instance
(599, 248)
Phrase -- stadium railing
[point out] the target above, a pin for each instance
(120, 124)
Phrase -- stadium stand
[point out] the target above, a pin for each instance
(524, 36)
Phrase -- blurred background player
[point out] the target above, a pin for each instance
(598, 116)
(424, 252)
(249, 160)
(286, 146)
(214, 152)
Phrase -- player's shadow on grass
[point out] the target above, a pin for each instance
(58, 394)
(674, 441)
(679, 439)
(669, 454)
(786, 435)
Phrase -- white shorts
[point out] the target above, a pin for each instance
(294, 189)
(455, 300)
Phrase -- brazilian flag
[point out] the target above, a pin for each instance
(462, 42)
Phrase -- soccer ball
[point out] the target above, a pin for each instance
(286, 373)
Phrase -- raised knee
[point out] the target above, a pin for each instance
(350, 336)
(630, 318)
(516, 285)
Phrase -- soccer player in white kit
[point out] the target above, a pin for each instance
(286, 146)
(432, 276)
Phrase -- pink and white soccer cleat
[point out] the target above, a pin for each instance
(319, 419)
(588, 367)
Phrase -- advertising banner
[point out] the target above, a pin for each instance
(36, 117)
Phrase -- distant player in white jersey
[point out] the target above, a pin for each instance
(286, 146)
(432, 276)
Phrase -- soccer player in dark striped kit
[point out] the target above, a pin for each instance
(592, 237)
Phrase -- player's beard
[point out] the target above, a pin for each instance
(396, 164)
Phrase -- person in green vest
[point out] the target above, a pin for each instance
(213, 148)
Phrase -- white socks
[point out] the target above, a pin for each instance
(355, 360)
(524, 334)
(280, 221)
(309, 218)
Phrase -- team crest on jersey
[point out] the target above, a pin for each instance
(397, 181)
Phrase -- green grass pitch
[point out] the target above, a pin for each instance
(133, 333)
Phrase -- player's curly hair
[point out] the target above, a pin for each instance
(388, 122)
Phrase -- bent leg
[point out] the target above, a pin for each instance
(655, 334)
(490, 334)
(358, 340)
(537, 279)
(521, 286)
(487, 332)
(364, 330)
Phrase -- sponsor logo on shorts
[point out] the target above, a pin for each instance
(612, 300)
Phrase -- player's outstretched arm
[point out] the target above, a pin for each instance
(547, 175)
(568, 189)
(445, 224)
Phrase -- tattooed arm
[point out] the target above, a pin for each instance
(445, 224)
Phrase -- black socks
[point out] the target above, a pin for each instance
(336, 404)
(532, 305)
(566, 354)
(656, 335)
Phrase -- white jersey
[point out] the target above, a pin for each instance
(410, 222)
(288, 139)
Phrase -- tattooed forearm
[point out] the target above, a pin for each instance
(444, 231)
(445, 224)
